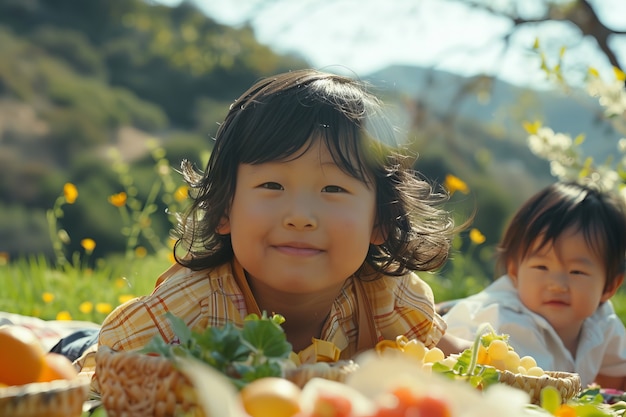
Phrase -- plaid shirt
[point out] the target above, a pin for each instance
(400, 306)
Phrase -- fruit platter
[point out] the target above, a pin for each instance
(252, 372)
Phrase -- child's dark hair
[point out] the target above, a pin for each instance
(276, 119)
(600, 216)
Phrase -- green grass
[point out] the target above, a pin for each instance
(32, 287)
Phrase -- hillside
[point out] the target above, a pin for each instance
(78, 79)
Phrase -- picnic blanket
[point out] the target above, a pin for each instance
(49, 332)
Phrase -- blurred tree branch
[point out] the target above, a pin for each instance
(580, 13)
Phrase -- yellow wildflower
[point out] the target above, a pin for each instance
(181, 193)
(140, 252)
(119, 199)
(125, 297)
(104, 308)
(86, 307)
(88, 244)
(64, 316)
(120, 283)
(47, 297)
(476, 236)
(70, 193)
(532, 128)
(454, 184)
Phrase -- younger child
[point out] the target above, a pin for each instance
(563, 255)
(303, 210)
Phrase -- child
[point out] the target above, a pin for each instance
(305, 211)
(563, 256)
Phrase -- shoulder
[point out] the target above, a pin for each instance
(405, 306)
(185, 293)
(606, 321)
(407, 289)
(498, 304)
(500, 292)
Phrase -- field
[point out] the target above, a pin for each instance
(33, 287)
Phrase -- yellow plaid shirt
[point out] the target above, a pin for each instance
(400, 306)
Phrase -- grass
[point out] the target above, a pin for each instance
(32, 287)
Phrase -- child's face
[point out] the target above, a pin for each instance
(303, 225)
(563, 282)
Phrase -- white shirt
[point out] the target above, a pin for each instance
(601, 348)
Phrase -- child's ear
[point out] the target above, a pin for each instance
(224, 227)
(610, 292)
(511, 271)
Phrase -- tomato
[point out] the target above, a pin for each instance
(429, 406)
(328, 405)
(403, 402)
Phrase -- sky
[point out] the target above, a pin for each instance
(364, 36)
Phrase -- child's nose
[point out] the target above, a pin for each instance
(300, 216)
(299, 222)
(558, 282)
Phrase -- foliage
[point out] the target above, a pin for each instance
(258, 349)
(75, 76)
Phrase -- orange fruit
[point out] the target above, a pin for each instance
(271, 397)
(57, 366)
(21, 355)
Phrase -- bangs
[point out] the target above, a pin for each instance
(284, 126)
(582, 213)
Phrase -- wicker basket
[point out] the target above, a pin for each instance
(335, 371)
(137, 385)
(568, 384)
(60, 398)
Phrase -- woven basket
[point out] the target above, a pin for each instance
(568, 384)
(60, 398)
(137, 385)
(335, 371)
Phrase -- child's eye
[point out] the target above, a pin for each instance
(333, 189)
(271, 186)
(540, 267)
(578, 272)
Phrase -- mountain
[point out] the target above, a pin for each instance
(496, 102)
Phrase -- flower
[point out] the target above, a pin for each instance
(88, 244)
(125, 297)
(120, 283)
(104, 308)
(86, 307)
(70, 193)
(47, 297)
(476, 236)
(181, 193)
(454, 184)
(64, 316)
(141, 252)
(119, 199)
